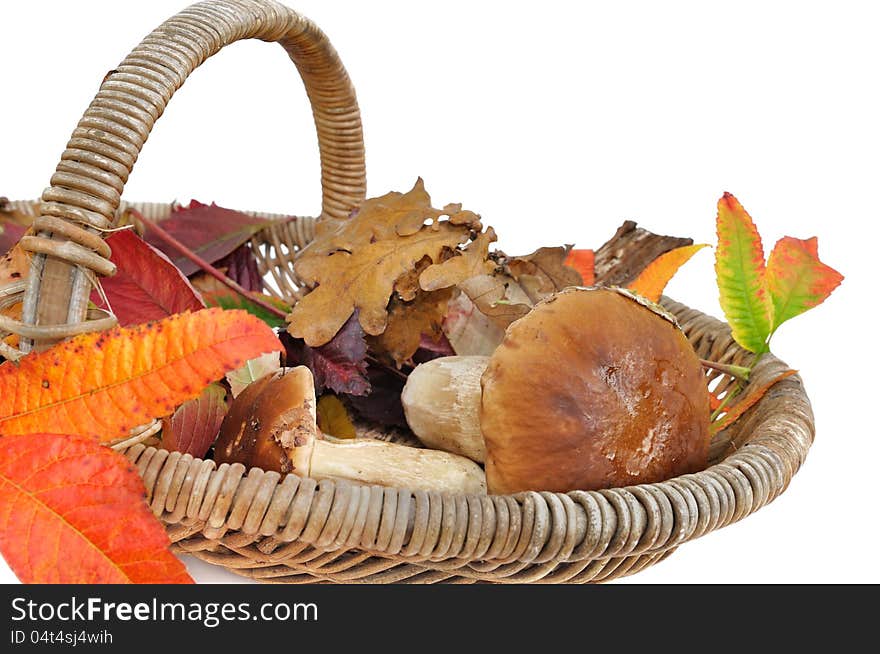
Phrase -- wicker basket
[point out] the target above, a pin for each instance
(296, 529)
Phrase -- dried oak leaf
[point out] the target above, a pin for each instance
(498, 297)
(410, 322)
(470, 262)
(544, 272)
(516, 284)
(386, 217)
(362, 280)
(407, 285)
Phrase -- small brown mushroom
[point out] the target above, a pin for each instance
(594, 388)
(272, 425)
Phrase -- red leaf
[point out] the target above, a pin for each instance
(10, 234)
(584, 261)
(146, 286)
(339, 365)
(194, 426)
(208, 230)
(73, 511)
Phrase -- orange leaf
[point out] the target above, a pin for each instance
(653, 279)
(103, 385)
(749, 400)
(714, 402)
(14, 266)
(584, 261)
(73, 511)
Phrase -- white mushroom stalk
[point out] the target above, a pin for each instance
(272, 425)
(441, 401)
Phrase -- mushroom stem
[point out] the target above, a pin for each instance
(389, 464)
(271, 424)
(441, 401)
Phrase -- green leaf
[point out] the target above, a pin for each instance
(797, 279)
(234, 301)
(742, 284)
(252, 371)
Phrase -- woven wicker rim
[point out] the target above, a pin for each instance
(296, 529)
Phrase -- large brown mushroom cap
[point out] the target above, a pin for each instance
(591, 390)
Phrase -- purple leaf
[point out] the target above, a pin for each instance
(339, 365)
(382, 406)
(241, 267)
(146, 286)
(10, 234)
(431, 349)
(210, 231)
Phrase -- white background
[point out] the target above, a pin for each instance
(554, 120)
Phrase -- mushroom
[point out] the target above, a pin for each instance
(594, 388)
(272, 425)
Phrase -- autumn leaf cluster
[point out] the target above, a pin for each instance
(397, 283)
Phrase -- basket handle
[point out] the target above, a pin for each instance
(87, 185)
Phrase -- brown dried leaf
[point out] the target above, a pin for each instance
(470, 262)
(362, 279)
(408, 322)
(407, 285)
(18, 213)
(377, 219)
(544, 272)
(14, 267)
(619, 261)
(498, 297)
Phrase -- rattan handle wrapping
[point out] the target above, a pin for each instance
(87, 185)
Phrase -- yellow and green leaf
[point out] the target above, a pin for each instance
(741, 273)
(797, 279)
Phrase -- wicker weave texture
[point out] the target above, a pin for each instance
(87, 186)
(298, 530)
(295, 529)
